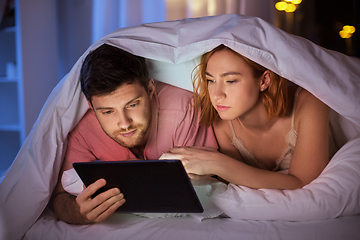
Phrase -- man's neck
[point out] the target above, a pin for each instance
(138, 151)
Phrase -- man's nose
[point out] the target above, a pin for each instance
(124, 121)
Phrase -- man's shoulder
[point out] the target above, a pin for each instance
(172, 97)
(88, 121)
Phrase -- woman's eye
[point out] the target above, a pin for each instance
(232, 81)
(210, 80)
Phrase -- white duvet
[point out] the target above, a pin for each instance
(173, 49)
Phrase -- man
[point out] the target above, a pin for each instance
(130, 117)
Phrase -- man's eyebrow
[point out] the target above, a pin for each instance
(224, 74)
(133, 100)
(103, 108)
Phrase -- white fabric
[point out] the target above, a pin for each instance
(334, 193)
(131, 227)
(332, 77)
(72, 183)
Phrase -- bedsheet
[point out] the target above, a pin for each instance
(172, 50)
(128, 227)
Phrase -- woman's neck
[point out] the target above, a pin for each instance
(256, 120)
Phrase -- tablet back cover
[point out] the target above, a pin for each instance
(149, 186)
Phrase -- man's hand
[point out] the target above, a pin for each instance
(102, 206)
(84, 209)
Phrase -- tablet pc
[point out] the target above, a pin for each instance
(149, 186)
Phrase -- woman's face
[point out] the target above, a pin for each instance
(234, 92)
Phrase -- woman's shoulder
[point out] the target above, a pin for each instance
(306, 101)
(308, 106)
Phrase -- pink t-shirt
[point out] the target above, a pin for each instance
(174, 123)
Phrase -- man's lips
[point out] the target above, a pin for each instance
(221, 107)
(128, 134)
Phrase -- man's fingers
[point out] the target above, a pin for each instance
(106, 208)
(90, 190)
(102, 205)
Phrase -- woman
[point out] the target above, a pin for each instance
(270, 135)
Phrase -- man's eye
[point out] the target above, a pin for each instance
(107, 112)
(132, 105)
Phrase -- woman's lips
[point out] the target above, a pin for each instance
(128, 134)
(222, 108)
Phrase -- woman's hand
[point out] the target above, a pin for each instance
(196, 160)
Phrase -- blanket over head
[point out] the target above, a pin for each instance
(173, 49)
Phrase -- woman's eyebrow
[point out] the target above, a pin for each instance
(206, 73)
(230, 73)
(224, 74)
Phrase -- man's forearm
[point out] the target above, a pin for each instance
(66, 209)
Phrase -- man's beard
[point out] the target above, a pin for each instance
(141, 132)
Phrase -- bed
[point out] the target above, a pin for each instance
(327, 208)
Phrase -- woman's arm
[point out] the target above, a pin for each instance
(309, 159)
(311, 153)
(206, 161)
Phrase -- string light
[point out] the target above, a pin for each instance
(347, 31)
(290, 7)
(287, 5)
(281, 6)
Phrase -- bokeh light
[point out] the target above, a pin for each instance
(281, 6)
(290, 7)
(347, 31)
(287, 5)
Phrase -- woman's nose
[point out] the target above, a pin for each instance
(218, 92)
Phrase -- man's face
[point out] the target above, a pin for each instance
(125, 114)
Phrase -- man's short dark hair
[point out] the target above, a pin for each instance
(106, 68)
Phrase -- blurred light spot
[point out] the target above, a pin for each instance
(287, 5)
(290, 7)
(211, 7)
(281, 6)
(347, 31)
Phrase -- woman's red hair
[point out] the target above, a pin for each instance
(275, 96)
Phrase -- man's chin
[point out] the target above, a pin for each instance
(127, 144)
(131, 141)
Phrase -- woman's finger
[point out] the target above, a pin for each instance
(189, 150)
(168, 155)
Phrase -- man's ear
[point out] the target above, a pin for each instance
(151, 88)
(90, 105)
(265, 80)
